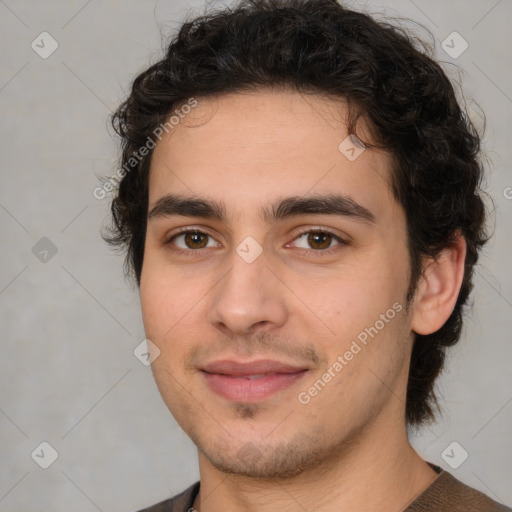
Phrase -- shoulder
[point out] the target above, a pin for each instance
(180, 503)
(447, 494)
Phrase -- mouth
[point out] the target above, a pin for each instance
(250, 382)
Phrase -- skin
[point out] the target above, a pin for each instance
(347, 449)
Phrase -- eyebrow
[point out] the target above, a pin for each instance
(329, 204)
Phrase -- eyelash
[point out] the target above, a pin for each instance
(309, 252)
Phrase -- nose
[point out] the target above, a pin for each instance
(248, 299)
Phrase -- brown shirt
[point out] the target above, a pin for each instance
(444, 494)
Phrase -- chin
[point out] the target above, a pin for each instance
(264, 461)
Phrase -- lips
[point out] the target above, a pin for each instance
(250, 381)
(261, 367)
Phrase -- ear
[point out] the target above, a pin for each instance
(439, 287)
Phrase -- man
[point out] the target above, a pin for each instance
(301, 210)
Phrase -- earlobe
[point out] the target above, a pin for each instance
(439, 288)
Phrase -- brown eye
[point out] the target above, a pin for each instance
(318, 240)
(189, 240)
(195, 240)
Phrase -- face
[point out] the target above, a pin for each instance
(274, 282)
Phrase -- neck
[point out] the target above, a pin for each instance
(378, 470)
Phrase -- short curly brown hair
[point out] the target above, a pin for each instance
(384, 73)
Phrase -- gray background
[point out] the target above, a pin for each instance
(70, 324)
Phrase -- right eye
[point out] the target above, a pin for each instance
(190, 240)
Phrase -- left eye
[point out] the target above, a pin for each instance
(319, 240)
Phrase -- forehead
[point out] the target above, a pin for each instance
(248, 149)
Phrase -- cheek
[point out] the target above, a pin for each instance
(161, 310)
(172, 310)
(352, 297)
(154, 304)
(361, 311)
(165, 296)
